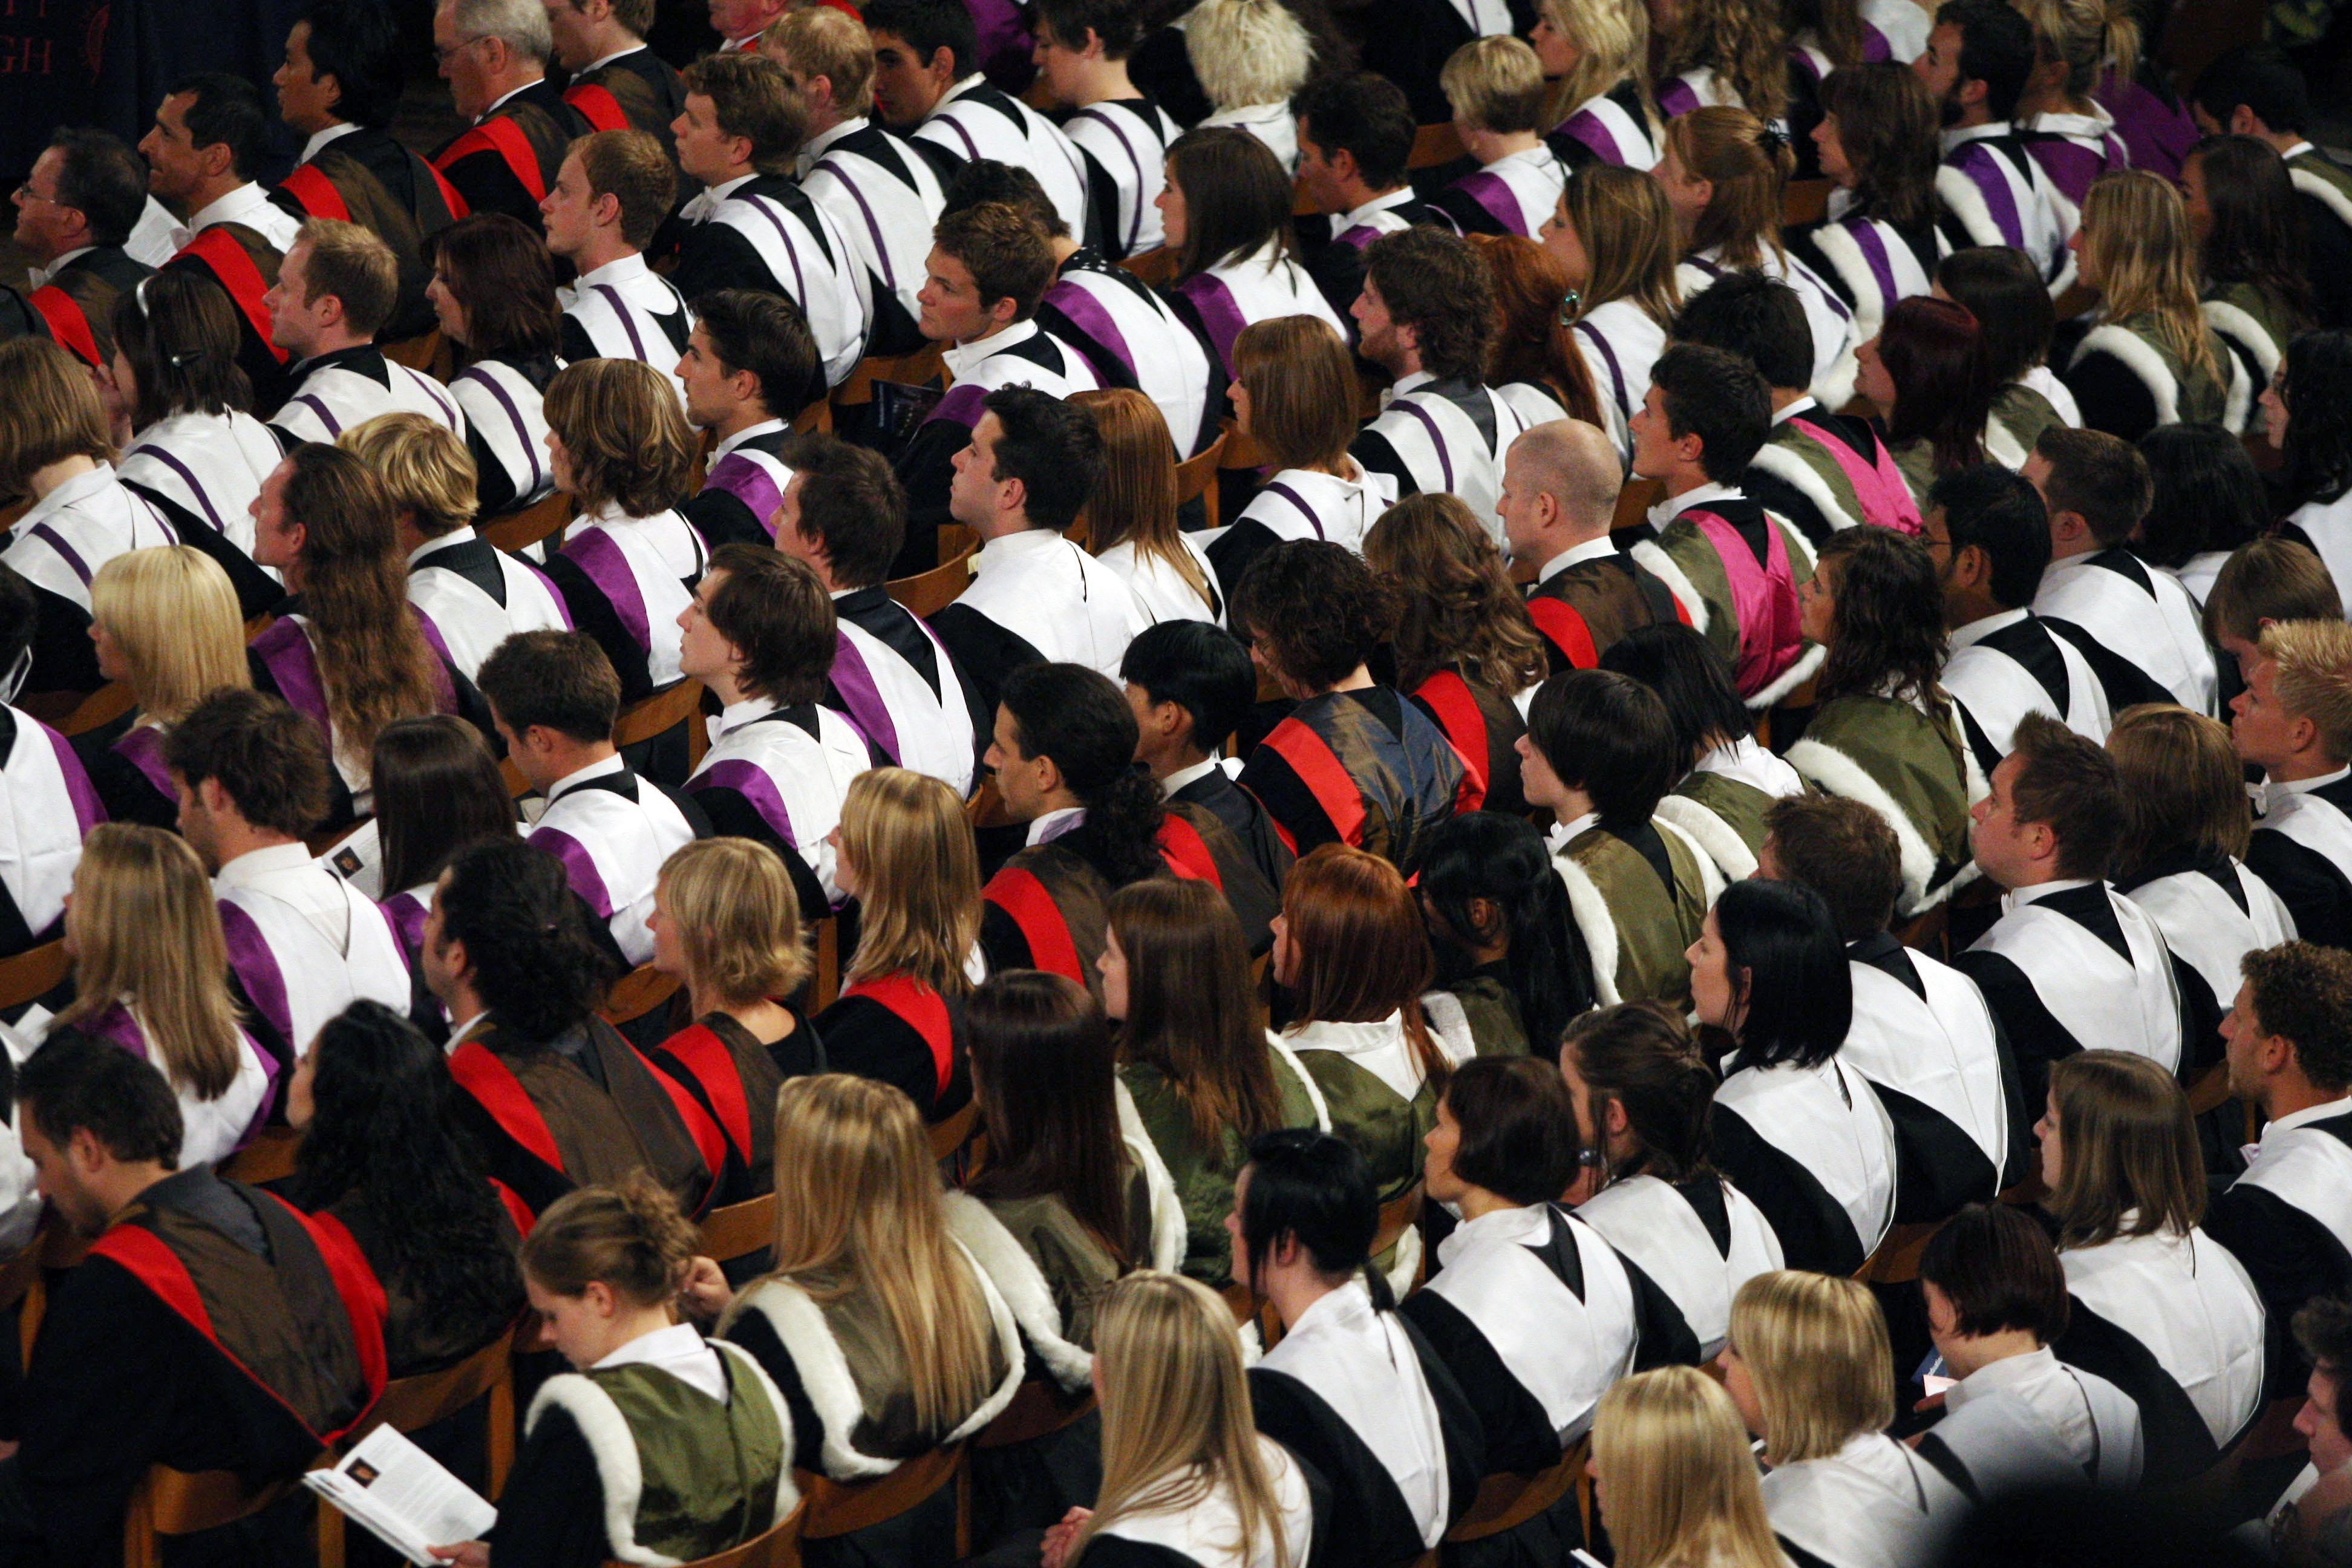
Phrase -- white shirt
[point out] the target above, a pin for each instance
(287, 872)
(248, 205)
(1673, 507)
(679, 1350)
(311, 148)
(2283, 1125)
(39, 277)
(1599, 549)
(1054, 822)
(499, 101)
(2036, 1378)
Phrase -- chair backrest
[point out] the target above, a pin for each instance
(1805, 201)
(1506, 1500)
(1196, 477)
(636, 993)
(927, 592)
(1436, 145)
(33, 973)
(518, 530)
(412, 1404)
(824, 973)
(948, 1137)
(844, 1508)
(1896, 1261)
(418, 353)
(738, 1230)
(817, 417)
(167, 1503)
(680, 703)
(777, 1547)
(268, 1158)
(99, 708)
(986, 808)
(1039, 1409)
(1634, 502)
(918, 369)
(1156, 267)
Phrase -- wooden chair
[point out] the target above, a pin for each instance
(824, 970)
(268, 1158)
(833, 1509)
(779, 1547)
(1896, 1261)
(738, 1230)
(2079, 300)
(816, 418)
(1156, 267)
(1805, 201)
(1508, 1500)
(409, 1404)
(1039, 1409)
(953, 1136)
(33, 973)
(168, 1502)
(1197, 476)
(1248, 1309)
(423, 353)
(99, 708)
(1240, 450)
(986, 808)
(541, 518)
(957, 539)
(925, 593)
(636, 993)
(1634, 502)
(918, 369)
(1433, 146)
(665, 710)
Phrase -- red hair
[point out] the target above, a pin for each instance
(1360, 948)
(1532, 341)
(1934, 353)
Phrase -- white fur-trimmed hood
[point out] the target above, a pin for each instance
(1023, 1286)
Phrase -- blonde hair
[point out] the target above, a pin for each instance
(1816, 1347)
(1627, 228)
(1496, 84)
(1726, 148)
(1177, 1421)
(1612, 42)
(146, 932)
(51, 411)
(818, 40)
(1683, 1491)
(918, 879)
(425, 467)
(352, 262)
(858, 1210)
(1247, 52)
(172, 614)
(1301, 381)
(2314, 676)
(2086, 35)
(628, 1236)
(624, 433)
(738, 919)
(1134, 497)
(2136, 240)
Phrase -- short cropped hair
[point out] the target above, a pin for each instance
(103, 178)
(1843, 850)
(1052, 447)
(2272, 578)
(1720, 398)
(779, 616)
(2264, 80)
(2000, 1271)
(750, 97)
(1200, 667)
(520, 25)
(1996, 48)
(1518, 1127)
(1005, 250)
(1610, 736)
(984, 180)
(227, 110)
(76, 1084)
(1756, 316)
(266, 757)
(51, 411)
(426, 469)
(2101, 477)
(1436, 284)
(926, 27)
(767, 334)
(627, 437)
(1495, 83)
(2068, 782)
(823, 42)
(630, 166)
(1992, 509)
(1118, 23)
(1367, 115)
(1317, 609)
(852, 505)
(2322, 1331)
(2303, 993)
(354, 265)
(560, 680)
(2314, 676)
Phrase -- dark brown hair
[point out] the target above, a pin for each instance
(1843, 850)
(1004, 249)
(2000, 1272)
(781, 619)
(500, 271)
(1461, 608)
(1191, 1007)
(630, 166)
(1888, 624)
(1041, 1058)
(436, 789)
(1317, 609)
(2303, 993)
(1435, 283)
(2097, 475)
(559, 679)
(178, 333)
(1641, 1056)
(2131, 1165)
(2070, 783)
(1519, 1127)
(1531, 343)
(1237, 198)
(268, 758)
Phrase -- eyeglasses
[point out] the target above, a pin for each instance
(454, 50)
(24, 193)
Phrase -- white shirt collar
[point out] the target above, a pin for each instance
(230, 208)
(310, 148)
(72, 492)
(611, 764)
(1975, 631)
(258, 865)
(816, 146)
(1801, 405)
(1007, 548)
(1182, 777)
(1576, 555)
(40, 275)
(2040, 891)
(499, 101)
(713, 194)
(1564, 833)
(461, 534)
(602, 60)
(764, 428)
(2010, 1372)
(964, 358)
(1527, 1225)
(1405, 383)
(1056, 822)
(1379, 204)
(1960, 134)
(459, 1033)
(1673, 507)
(2308, 1114)
(969, 84)
(678, 1350)
(2297, 150)
(620, 270)
(2303, 786)
(743, 712)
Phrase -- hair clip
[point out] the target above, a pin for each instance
(1771, 138)
(140, 295)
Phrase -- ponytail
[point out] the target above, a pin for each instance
(1642, 1057)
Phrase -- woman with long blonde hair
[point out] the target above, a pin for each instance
(1672, 1469)
(1614, 234)
(1596, 54)
(1724, 54)
(1294, 394)
(905, 852)
(150, 969)
(1132, 512)
(1184, 1467)
(166, 624)
(1466, 648)
(2152, 360)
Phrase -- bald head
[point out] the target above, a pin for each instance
(1560, 489)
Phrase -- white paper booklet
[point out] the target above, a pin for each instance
(404, 1496)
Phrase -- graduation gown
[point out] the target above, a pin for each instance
(1050, 1267)
(334, 392)
(1364, 1398)
(1333, 251)
(1872, 265)
(1035, 597)
(769, 234)
(242, 261)
(47, 808)
(625, 311)
(507, 161)
(977, 121)
(1131, 338)
(210, 1129)
(2075, 966)
(2255, 327)
(1582, 608)
(1620, 342)
(506, 430)
(1214, 791)
(735, 1078)
(124, 761)
(77, 302)
(2136, 627)
(2032, 1421)
(2128, 382)
(366, 177)
(1222, 298)
(892, 676)
(2324, 191)
(777, 775)
(1720, 803)
(2074, 151)
(895, 1029)
(1735, 568)
(1874, 1501)
(1300, 503)
(2288, 1221)
(283, 660)
(613, 830)
(1824, 471)
(1615, 128)
(743, 487)
(1911, 769)
(2031, 404)
(2302, 849)
(1815, 1148)
(203, 472)
(2006, 666)
(1484, 726)
(1515, 194)
(1363, 768)
(1924, 1037)
(2212, 913)
(426, 1335)
(637, 88)
(211, 1328)
(1638, 893)
(1993, 193)
(1123, 143)
(1447, 435)
(2174, 1322)
(1205, 1533)
(1695, 1242)
(582, 1110)
(56, 545)
(884, 196)
(625, 581)
(1411, 40)
(472, 597)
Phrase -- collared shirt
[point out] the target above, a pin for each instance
(679, 1350)
(2040, 891)
(320, 138)
(622, 269)
(735, 715)
(1405, 384)
(597, 769)
(1805, 404)
(499, 101)
(1975, 631)
(1054, 822)
(764, 428)
(39, 276)
(602, 60)
(287, 872)
(64, 494)
(1576, 555)
(1564, 833)
(1184, 777)
(2036, 1378)
(1673, 507)
(2293, 1120)
(962, 358)
(1960, 134)
(248, 205)
(816, 146)
(1370, 209)
(706, 200)
(2269, 789)
(459, 1033)
(462, 535)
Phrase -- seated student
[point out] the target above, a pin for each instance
(1731, 564)
(1188, 1482)
(2015, 319)
(882, 194)
(2137, 627)
(752, 226)
(617, 77)
(1198, 1074)
(1495, 87)
(1250, 58)
(1498, 919)
(744, 343)
(47, 803)
(2182, 857)
(1294, 391)
(865, 1263)
(614, 190)
(1533, 361)
(1226, 208)
(1921, 1031)
(1558, 499)
(1353, 1388)
(518, 125)
(2298, 409)
(1641, 1091)
(621, 449)
(727, 925)
(493, 294)
(1668, 1446)
(1925, 373)
(990, 265)
(843, 515)
(384, 1157)
(760, 635)
(906, 855)
(2071, 964)
(335, 290)
(1600, 753)
(2209, 500)
(55, 447)
(2258, 91)
(1354, 763)
(557, 1097)
(2070, 133)
(713, 1468)
(1355, 137)
(553, 698)
(1131, 515)
(1809, 1366)
(2017, 1419)
(929, 88)
(2306, 1513)
(467, 596)
(1885, 733)
(1595, 58)
(1122, 134)
(251, 775)
(1191, 686)
(150, 975)
(129, 1369)
(2291, 722)
(1799, 1130)
(1614, 232)
(1992, 535)
(1977, 63)
(2153, 360)
(1877, 144)
(166, 624)
(1427, 316)
(196, 453)
(1465, 650)
(1716, 53)
(1063, 757)
(2247, 225)
(2266, 582)
(1721, 802)
(2157, 1307)
(349, 650)
(74, 234)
